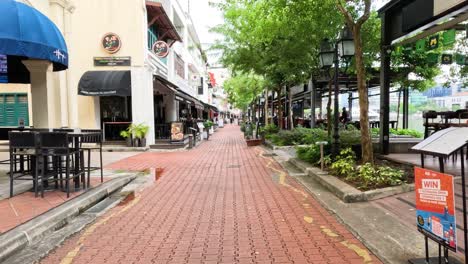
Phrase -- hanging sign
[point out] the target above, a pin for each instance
(177, 131)
(447, 58)
(111, 43)
(435, 206)
(161, 49)
(3, 69)
(434, 42)
(448, 37)
(421, 45)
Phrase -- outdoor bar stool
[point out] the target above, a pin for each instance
(56, 145)
(24, 144)
(92, 141)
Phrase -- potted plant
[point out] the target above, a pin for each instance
(248, 134)
(208, 125)
(128, 136)
(139, 132)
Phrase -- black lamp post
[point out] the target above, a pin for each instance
(262, 110)
(330, 55)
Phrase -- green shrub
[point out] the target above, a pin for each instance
(242, 126)
(369, 176)
(270, 129)
(344, 164)
(298, 136)
(406, 132)
(349, 138)
(312, 153)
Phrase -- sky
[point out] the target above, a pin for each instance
(205, 17)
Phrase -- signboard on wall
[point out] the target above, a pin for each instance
(111, 43)
(112, 61)
(3, 69)
(161, 49)
(435, 206)
(177, 131)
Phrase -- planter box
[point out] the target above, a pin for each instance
(253, 142)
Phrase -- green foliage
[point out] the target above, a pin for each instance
(344, 164)
(266, 37)
(406, 132)
(249, 129)
(270, 129)
(208, 124)
(298, 136)
(135, 130)
(242, 126)
(139, 130)
(243, 88)
(311, 154)
(349, 137)
(125, 133)
(366, 176)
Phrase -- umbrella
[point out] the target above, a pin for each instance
(26, 33)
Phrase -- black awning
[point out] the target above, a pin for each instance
(105, 83)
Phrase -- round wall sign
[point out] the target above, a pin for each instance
(111, 43)
(161, 49)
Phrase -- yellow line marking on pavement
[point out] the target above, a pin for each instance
(363, 253)
(328, 232)
(68, 259)
(282, 181)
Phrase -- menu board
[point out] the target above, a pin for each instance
(3, 69)
(177, 131)
(435, 206)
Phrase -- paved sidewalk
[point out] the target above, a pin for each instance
(219, 203)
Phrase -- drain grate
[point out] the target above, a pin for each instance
(234, 166)
(269, 155)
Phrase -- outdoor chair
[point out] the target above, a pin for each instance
(461, 114)
(430, 126)
(92, 142)
(56, 145)
(24, 145)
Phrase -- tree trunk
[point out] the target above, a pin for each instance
(290, 112)
(280, 109)
(329, 113)
(398, 109)
(265, 114)
(366, 140)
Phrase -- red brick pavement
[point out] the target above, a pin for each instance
(219, 203)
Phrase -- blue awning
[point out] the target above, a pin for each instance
(26, 33)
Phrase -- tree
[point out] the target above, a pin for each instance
(243, 88)
(356, 13)
(277, 39)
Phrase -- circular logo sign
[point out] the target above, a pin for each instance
(161, 49)
(111, 43)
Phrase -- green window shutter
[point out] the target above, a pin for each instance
(12, 108)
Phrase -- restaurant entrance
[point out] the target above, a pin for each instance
(116, 115)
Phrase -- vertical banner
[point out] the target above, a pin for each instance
(435, 206)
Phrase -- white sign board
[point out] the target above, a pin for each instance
(441, 6)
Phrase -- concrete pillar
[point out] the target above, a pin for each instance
(43, 93)
(142, 100)
(170, 103)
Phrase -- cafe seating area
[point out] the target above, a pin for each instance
(435, 121)
(53, 159)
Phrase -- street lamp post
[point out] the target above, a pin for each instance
(330, 55)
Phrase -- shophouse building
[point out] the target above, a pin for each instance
(130, 61)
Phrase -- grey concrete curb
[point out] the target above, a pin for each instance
(124, 149)
(33, 230)
(344, 191)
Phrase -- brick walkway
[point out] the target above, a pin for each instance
(219, 203)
